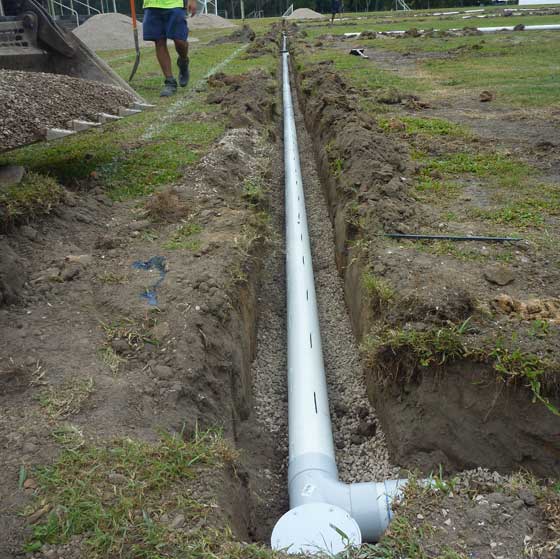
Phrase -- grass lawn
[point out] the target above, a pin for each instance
(134, 156)
(522, 68)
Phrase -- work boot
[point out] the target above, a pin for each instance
(169, 87)
(183, 64)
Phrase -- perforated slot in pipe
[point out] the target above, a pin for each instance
(325, 514)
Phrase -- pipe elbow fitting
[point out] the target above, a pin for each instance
(369, 504)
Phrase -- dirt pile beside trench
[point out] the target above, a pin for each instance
(243, 35)
(369, 169)
(245, 103)
(32, 101)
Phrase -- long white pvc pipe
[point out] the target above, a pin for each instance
(551, 27)
(322, 507)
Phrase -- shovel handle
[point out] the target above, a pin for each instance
(133, 13)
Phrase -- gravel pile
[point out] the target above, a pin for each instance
(109, 32)
(360, 445)
(32, 101)
(305, 13)
(209, 21)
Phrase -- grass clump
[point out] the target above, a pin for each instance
(519, 215)
(441, 176)
(111, 359)
(433, 126)
(430, 347)
(377, 288)
(253, 191)
(136, 334)
(182, 239)
(524, 210)
(67, 399)
(531, 369)
(428, 184)
(504, 169)
(114, 495)
(35, 195)
(426, 126)
(166, 205)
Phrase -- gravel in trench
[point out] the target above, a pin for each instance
(360, 444)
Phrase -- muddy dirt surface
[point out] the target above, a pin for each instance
(115, 332)
(457, 404)
(32, 101)
(481, 515)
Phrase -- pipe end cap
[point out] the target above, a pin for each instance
(315, 528)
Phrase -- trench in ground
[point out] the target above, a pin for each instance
(418, 440)
(361, 451)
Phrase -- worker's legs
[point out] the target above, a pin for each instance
(182, 48)
(161, 24)
(163, 57)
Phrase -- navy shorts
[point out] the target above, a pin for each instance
(161, 23)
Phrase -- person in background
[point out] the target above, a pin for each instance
(163, 20)
(336, 8)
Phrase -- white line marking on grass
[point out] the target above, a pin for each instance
(174, 108)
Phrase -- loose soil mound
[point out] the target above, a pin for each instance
(209, 21)
(305, 13)
(243, 35)
(31, 101)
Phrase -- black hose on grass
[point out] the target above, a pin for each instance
(451, 237)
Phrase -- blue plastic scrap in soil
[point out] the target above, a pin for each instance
(157, 263)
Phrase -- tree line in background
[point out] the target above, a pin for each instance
(270, 8)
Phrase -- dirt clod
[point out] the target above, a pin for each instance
(499, 275)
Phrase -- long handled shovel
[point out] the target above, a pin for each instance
(136, 43)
